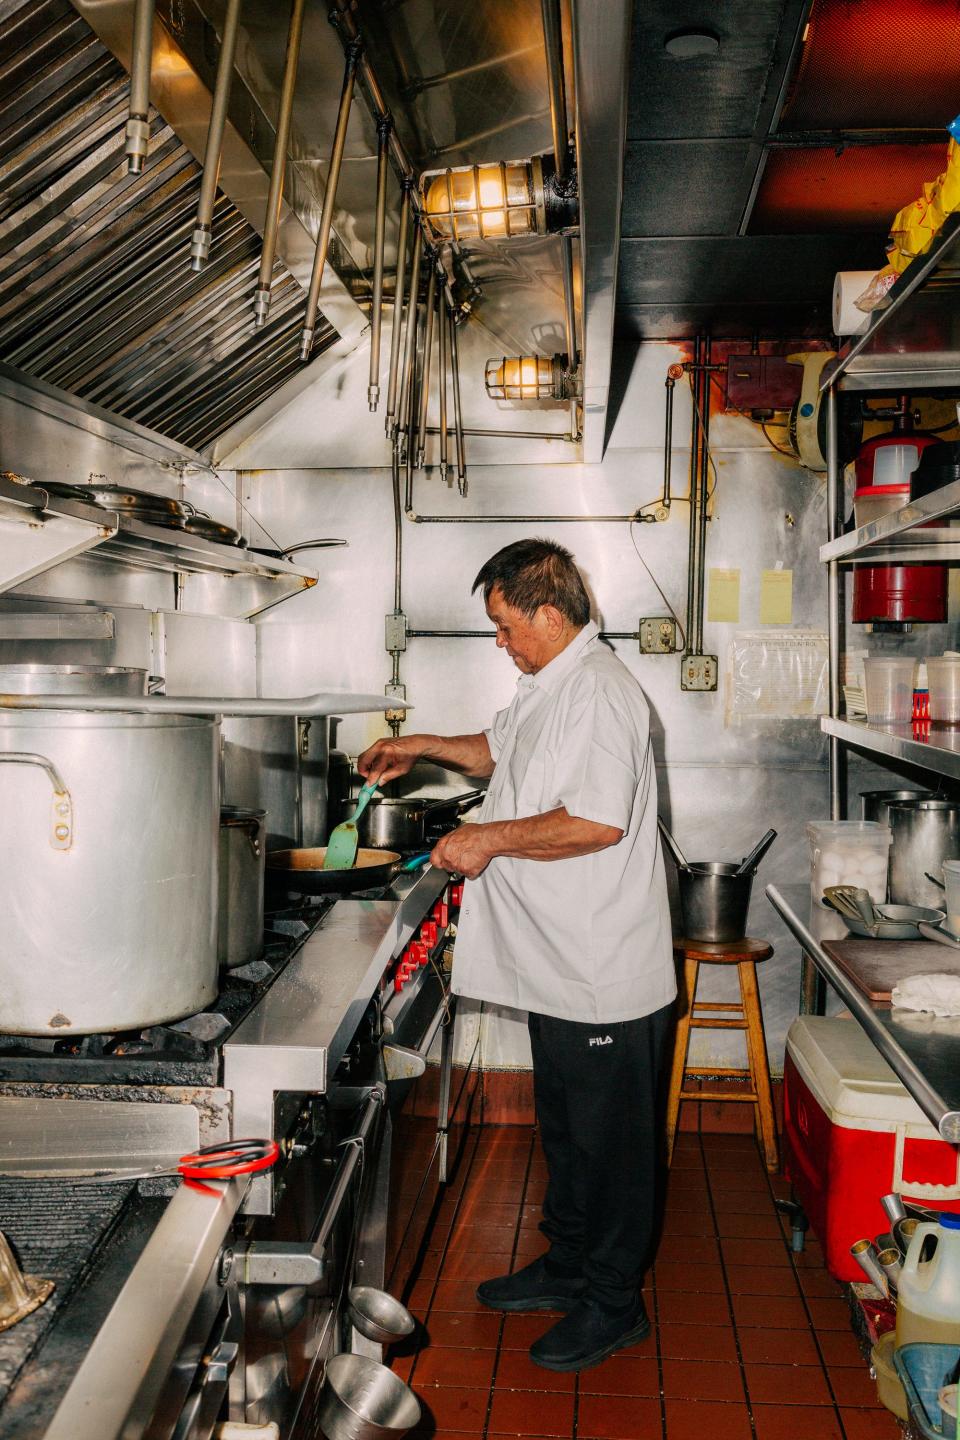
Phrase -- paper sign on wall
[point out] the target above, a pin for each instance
(723, 597)
(776, 597)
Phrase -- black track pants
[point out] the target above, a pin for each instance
(596, 1089)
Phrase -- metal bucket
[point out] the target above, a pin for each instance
(925, 833)
(378, 1315)
(714, 901)
(361, 1400)
(875, 804)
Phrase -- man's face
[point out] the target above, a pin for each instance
(529, 641)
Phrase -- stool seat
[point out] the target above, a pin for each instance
(745, 1015)
(728, 952)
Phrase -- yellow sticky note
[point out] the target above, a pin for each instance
(723, 596)
(776, 597)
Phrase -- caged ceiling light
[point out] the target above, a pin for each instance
(498, 201)
(528, 377)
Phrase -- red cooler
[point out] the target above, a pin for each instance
(852, 1133)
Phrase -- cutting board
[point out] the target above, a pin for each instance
(875, 966)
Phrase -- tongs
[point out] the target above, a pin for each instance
(210, 1162)
(854, 902)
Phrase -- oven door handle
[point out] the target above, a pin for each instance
(403, 1063)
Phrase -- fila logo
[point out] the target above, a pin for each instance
(601, 1039)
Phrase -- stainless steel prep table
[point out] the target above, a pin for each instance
(923, 1053)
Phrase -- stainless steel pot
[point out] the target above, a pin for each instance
(108, 870)
(76, 680)
(925, 833)
(875, 804)
(714, 901)
(390, 823)
(243, 858)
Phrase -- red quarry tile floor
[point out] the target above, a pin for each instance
(749, 1342)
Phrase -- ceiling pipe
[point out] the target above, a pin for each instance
(138, 116)
(556, 85)
(271, 223)
(353, 50)
(570, 325)
(421, 432)
(384, 126)
(457, 415)
(410, 339)
(402, 241)
(444, 338)
(203, 229)
(429, 82)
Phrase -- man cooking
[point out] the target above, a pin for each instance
(565, 915)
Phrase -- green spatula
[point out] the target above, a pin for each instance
(342, 845)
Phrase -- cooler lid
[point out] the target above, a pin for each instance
(848, 1077)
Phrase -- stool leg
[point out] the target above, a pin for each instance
(757, 1055)
(680, 1047)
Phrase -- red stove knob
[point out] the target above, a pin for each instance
(428, 933)
(441, 914)
(418, 953)
(456, 894)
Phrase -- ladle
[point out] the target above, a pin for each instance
(672, 846)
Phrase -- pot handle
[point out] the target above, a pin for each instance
(460, 803)
(252, 832)
(61, 830)
(155, 684)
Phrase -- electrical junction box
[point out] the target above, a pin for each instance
(658, 635)
(395, 631)
(698, 672)
(762, 382)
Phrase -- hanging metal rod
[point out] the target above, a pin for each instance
(508, 434)
(429, 82)
(384, 126)
(556, 85)
(457, 413)
(444, 346)
(138, 117)
(421, 429)
(397, 323)
(271, 223)
(410, 337)
(203, 229)
(329, 198)
(466, 141)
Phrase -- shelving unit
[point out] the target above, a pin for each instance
(39, 531)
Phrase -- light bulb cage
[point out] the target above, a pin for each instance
(529, 377)
(503, 200)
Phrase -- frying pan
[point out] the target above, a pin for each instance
(303, 872)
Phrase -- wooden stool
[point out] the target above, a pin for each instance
(745, 954)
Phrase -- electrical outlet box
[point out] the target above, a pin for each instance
(658, 635)
(395, 631)
(698, 672)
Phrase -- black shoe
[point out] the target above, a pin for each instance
(588, 1335)
(532, 1288)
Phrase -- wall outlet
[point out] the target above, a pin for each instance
(698, 672)
(658, 635)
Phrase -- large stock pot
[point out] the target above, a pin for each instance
(108, 869)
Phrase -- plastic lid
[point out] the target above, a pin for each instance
(949, 1221)
(865, 491)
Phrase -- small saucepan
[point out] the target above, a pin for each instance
(302, 871)
(395, 824)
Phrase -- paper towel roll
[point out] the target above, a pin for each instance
(848, 285)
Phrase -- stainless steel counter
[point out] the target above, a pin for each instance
(922, 1050)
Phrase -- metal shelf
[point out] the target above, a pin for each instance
(39, 531)
(934, 747)
(915, 345)
(896, 533)
(924, 1060)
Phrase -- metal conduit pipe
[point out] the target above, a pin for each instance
(271, 220)
(138, 115)
(556, 85)
(402, 235)
(444, 338)
(694, 498)
(329, 198)
(410, 336)
(408, 431)
(704, 503)
(428, 319)
(203, 229)
(491, 634)
(412, 515)
(457, 413)
(384, 126)
(570, 322)
(564, 435)
(670, 386)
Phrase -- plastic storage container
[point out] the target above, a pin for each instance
(845, 852)
(928, 1290)
(888, 682)
(951, 879)
(852, 1133)
(943, 680)
(872, 501)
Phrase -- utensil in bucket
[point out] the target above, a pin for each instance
(378, 1315)
(714, 900)
(361, 1400)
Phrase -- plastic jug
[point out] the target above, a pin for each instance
(928, 1298)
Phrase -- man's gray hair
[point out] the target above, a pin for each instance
(531, 573)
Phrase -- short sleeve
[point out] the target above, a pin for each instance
(498, 731)
(601, 761)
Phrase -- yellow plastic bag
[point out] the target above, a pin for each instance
(916, 224)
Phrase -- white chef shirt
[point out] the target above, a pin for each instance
(586, 938)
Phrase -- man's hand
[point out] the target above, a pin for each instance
(389, 758)
(465, 851)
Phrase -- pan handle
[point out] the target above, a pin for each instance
(460, 803)
(61, 834)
